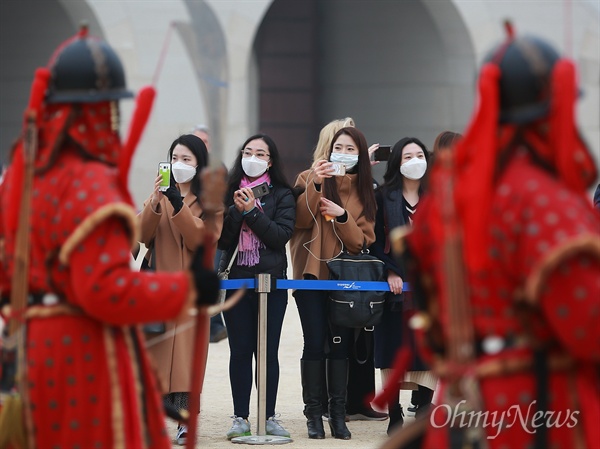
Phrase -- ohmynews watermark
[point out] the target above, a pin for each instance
(530, 421)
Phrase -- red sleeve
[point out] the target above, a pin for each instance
(104, 285)
(570, 300)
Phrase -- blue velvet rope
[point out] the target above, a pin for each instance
(285, 284)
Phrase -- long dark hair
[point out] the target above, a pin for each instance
(198, 148)
(393, 179)
(364, 185)
(275, 170)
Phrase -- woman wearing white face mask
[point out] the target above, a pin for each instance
(173, 224)
(397, 201)
(259, 228)
(331, 210)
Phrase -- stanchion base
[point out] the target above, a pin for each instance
(262, 439)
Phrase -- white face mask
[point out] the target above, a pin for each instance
(182, 172)
(415, 168)
(253, 166)
(349, 160)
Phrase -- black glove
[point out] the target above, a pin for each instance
(174, 198)
(206, 281)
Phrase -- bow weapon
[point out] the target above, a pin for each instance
(214, 186)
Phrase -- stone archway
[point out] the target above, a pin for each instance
(30, 31)
(398, 68)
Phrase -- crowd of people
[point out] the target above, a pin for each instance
(86, 308)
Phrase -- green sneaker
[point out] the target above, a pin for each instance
(275, 428)
(239, 428)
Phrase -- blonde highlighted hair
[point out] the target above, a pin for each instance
(326, 136)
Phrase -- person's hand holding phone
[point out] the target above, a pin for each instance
(243, 199)
(157, 195)
(330, 210)
(371, 150)
(322, 170)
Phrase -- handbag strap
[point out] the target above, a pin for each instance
(364, 249)
(235, 251)
(367, 334)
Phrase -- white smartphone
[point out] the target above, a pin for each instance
(164, 169)
(338, 169)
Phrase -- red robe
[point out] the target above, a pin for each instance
(88, 381)
(544, 257)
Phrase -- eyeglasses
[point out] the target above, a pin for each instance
(259, 154)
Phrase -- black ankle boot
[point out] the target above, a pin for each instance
(337, 383)
(396, 418)
(425, 397)
(311, 373)
(315, 427)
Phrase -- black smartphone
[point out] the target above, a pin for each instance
(260, 190)
(382, 153)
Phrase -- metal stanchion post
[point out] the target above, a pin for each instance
(263, 287)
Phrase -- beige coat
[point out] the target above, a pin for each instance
(175, 240)
(324, 242)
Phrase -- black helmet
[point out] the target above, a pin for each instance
(525, 83)
(86, 70)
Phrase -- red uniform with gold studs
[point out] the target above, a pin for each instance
(529, 241)
(86, 379)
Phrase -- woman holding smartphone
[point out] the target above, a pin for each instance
(333, 212)
(397, 201)
(255, 233)
(173, 224)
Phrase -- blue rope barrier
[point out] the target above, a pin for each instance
(291, 284)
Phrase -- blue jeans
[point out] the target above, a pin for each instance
(242, 329)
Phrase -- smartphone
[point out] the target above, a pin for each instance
(382, 153)
(338, 169)
(164, 169)
(260, 190)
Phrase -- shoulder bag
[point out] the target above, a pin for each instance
(356, 308)
(224, 275)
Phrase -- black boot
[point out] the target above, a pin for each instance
(424, 400)
(311, 372)
(396, 418)
(414, 400)
(337, 382)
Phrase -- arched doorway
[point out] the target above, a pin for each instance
(27, 40)
(389, 65)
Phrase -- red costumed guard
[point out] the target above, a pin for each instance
(507, 249)
(85, 381)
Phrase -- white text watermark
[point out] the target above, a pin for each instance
(530, 421)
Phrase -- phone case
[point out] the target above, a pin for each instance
(382, 153)
(164, 168)
(260, 190)
(338, 169)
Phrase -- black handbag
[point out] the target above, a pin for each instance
(356, 308)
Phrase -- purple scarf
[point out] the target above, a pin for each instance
(249, 244)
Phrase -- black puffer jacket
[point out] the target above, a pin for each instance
(273, 226)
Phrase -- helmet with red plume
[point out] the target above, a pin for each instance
(526, 65)
(527, 96)
(85, 69)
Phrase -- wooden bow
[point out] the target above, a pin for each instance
(214, 186)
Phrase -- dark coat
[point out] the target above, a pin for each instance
(273, 226)
(380, 248)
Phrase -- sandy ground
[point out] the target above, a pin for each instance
(217, 405)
